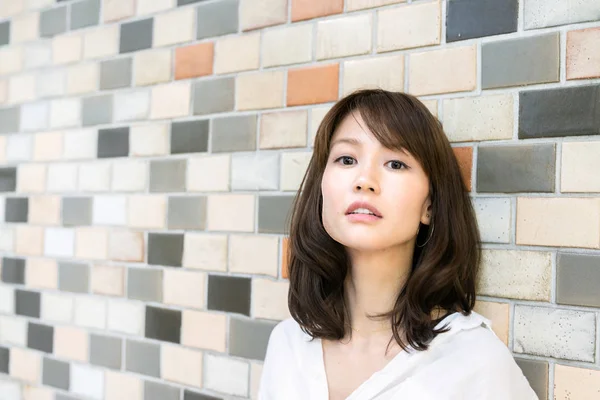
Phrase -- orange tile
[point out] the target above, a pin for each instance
(307, 9)
(464, 155)
(193, 61)
(313, 85)
(284, 257)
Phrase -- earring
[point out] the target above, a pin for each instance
(430, 234)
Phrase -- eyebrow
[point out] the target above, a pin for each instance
(358, 143)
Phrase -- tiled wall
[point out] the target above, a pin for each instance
(150, 151)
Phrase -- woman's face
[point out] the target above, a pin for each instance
(359, 168)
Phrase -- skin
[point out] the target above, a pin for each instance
(381, 252)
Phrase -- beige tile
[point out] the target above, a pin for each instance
(181, 365)
(108, 280)
(254, 254)
(204, 330)
(293, 169)
(153, 6)
(102, 41)
(129, 175)
(148, 211)
(205, 251)
(37, 393)
(126, 246)
(41, 273)
(10, 8)
(82, 78)
(345, 36)
(149, 140)
(435, 71)
(572, 383)
(94, 177)
(12, 60)
(48, 146)
(25, 27)
(21, 88)
(114, 10)
(479, 118)
(276, 49)
(29, 240)
(217, 181)
(574, 222)
(499, 314)
(174, 27)
(316, 116)
(44, 210)
(580, 166)
(260, 13)
(91, 242)
(432, 106)
(71, 343)
(230, 212)
(3, 92)
(269, 84)
(67, 48)
(121, 386)
(411, 26)
(25, 365)
(171, 100)
(184, 288)
(255, 377)
(81, 144)
(237, 53)
(269, 299)
(31, 178)
(353, 5)
(283, 129)
(380, 72)
(583, 54)
(152, 66)
(37, 4)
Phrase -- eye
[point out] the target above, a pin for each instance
(344, 158)
(398, 164)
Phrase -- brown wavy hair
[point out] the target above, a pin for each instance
(444, 271)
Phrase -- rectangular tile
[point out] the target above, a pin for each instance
(142, 358)
(189, 136)
(13, 270)
(187, 213)
(165, 249)
(545, 13)
(53, 21)
(77, 211)
(56, 374)
(97, 110)
(573, 111)
(158, 391)
(467, 19)
(4, 360)
(8, 178)
(188, 395)
(113, 142)
(74, 277)
(115, 74)
(144, 284)
(220, 298)
(249, 338)
(274, 213)
(105, 351)
(136, 35)
(85, 13)
(217, 18)
(214, 96)
(163, 324)
(27, 303)
(9, 119)
(577, 277)
(16, 209)
(4, 33)
(518, 168)
(167, 176)
(40, 337)
(536, 373)
(237, 133)
(523, 61)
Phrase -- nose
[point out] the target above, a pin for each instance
(366, 181)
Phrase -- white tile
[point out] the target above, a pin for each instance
(81, 144)
(87, 381)
(226, 375)
(13, 330)
(129, 176)
(255, 171)
(494, 219)
(7, 300)
(19, 147)
(65, 113)
(109, 210)
(57, 307)
(34, 116)
(10, 390)
(90, 312)
(59, 242)
(126, 316)
(131, 106)
(62, 178)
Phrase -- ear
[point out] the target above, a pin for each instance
(426, 214)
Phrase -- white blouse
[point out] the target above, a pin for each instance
(468, 362)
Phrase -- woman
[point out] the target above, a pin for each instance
(383, 262)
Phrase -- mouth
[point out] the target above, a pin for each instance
(362, 208)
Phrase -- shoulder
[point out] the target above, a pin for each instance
(287, 336)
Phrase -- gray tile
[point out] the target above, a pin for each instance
(187, 213)
(214, 96)
(27, 303)
(76, 211)
(231, 134)
(167, 176)
(165, 249)
(249, 338)
(217, 18)
(516, 168)
(97, 110)
(16, 209)
(187, 395)
(73, 277)
(221, 290)
(186, 2)
(577, 277)
(536, 373)
(136, 35)
(158, 391)
(105, 351)
(163, 324)
(115, 74)
(144, 284)
(143, 358)
(53, 21)
(85, 13)
(189, 136)
(274, 213)
(113, 142)
(4, 360)
(40, 337)
(8, 179)
(4, 33)
(56, 374)
(467, 19)
(9, 119)
(60, 396)
(570, 111)
(523, 61)
(13, 270)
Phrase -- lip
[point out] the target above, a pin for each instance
(363, 204)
